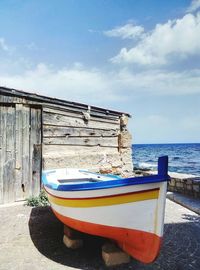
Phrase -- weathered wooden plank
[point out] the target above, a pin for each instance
(87, 141)
(35, 150)
(32, 97)
(9, 154)
(5, 184)
(95, 111)
(1, 154)
(4, 158)
(99, 114)
(37, 162)
(19, 194)
(6, 99)
(79, 114)
(62, 120)
(10, 99)
(33, 139)
(54, 131)
(26, 186)
(51, 149)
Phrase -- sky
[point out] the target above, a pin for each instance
(140, 57)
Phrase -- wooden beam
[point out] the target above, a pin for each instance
(79, 114)
(84, 141)
(18, 153)
(54, 131)
(62, 120)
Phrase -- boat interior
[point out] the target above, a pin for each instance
(69, 176)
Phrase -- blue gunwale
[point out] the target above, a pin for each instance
(162, 176)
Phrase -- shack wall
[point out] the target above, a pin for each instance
(37, 133)
(101, 144)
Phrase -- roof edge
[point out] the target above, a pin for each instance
(62, 102)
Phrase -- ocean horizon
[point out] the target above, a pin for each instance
(183, 157)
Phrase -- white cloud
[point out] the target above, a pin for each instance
(195, 5)
(159, 82)
(167, 42)
(128, 31)
(96, 87)
(3, 45)
(74, 83)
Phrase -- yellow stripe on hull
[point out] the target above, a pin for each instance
(105, 201)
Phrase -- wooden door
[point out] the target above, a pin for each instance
(22, 180)
(7, 153)
(28, 151)
(20, 152)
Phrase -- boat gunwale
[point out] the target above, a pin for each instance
(107, 184)
(162, 176)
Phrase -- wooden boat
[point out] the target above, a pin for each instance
(129, 211)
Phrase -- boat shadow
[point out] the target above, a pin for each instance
(180, 245)
(46, 232)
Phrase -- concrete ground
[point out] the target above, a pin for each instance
(31, 238)
(186, 201)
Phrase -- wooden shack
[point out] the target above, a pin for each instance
(39, 132)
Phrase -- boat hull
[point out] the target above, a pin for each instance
(132, 216)
(141, 245)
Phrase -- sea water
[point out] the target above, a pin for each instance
(183, 158)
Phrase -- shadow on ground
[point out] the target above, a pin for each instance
(181, 246)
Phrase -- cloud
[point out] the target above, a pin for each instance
(176, 39)
(3, 45)
(75, 83)
(96, 87)
(159, 82)
(195, 5)
(127, 31)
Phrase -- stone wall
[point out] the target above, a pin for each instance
(182, 183)
(185, 184)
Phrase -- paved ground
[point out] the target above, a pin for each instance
(31, 238)
(186, 201)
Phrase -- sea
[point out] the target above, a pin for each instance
(183, 157)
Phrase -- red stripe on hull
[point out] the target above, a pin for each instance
(104, 197)
(143, 246)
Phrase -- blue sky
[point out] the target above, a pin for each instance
(141, 57)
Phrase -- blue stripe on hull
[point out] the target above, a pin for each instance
(160, 177)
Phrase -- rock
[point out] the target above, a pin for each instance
(106, 169)
(72, 243)
(112, 255)
(123, 121)
(125, 139)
